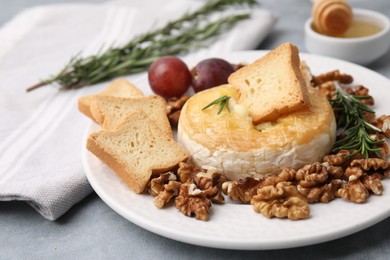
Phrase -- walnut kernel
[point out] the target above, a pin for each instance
(192, 202)
(281, 200)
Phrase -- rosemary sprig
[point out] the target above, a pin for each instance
(351, 121)
(177, 37)
(223, 101)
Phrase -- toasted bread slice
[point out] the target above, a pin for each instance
(111, 112)
(119, 88)
(136, 150)
(273, 85)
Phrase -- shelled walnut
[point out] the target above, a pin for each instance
(323, 193)
(370, 164)
(373, 183)
(193, 202)
(287, 174)
(171, 190)
(156, 185)
(187, 172)
(319, 182)
(354, 191)
(200, 186)
(338, 159)
(312, 175)
(353, 173)
(335, 172)
(286, 195)
(334, 75)
(242, 190)
(364, 177)
(210, 183)
(281, 200)
(164, 188)
(173, 108)
(383, 123)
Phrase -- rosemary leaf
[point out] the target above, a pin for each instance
(351, 121)
(223, 101)
(182, 35)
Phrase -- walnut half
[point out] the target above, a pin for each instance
(242, 190)
(193, 202)
(354, 191)
(173, 109)
(164, 188)
(281, 200)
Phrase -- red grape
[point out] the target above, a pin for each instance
(169, 77)
(210, 73)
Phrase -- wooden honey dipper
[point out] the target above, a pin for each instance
(332, 17)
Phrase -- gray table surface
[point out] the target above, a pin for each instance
(93, 230)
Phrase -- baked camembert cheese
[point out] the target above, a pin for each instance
(231, 143)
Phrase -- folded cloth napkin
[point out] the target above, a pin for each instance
(41, 132)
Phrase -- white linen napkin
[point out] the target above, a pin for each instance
(41, 132)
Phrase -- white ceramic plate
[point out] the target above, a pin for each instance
(236, 226)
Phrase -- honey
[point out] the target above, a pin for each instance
(357, 29)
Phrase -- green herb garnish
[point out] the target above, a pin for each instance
(222, 101)
(352, 123)
(176, 37)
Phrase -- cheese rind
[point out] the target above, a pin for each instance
(233, 145)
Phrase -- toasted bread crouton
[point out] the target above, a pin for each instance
(136, 150)
(119, 88)
(111, 112)
(273, 85)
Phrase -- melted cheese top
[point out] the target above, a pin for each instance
(234, 130)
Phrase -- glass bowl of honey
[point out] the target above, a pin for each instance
(366, 39)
